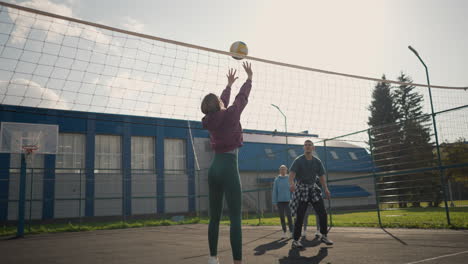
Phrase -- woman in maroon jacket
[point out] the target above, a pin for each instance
(223, 176)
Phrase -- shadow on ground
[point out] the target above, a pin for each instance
(294, 257)
(277, 244)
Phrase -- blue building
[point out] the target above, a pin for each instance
(109, 165)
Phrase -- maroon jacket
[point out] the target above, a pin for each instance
(224, 126)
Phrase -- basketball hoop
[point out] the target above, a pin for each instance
(29, 149)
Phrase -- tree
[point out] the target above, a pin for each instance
(382, 108)
(382, 119)
(416, 150)
(456, 154)
(383, 128)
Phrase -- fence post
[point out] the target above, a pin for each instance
(197, 175)
(439, 159)
(30, 199)
(79, 205)
(441, 170)
(22, 197)
(326, 175)
(377, 200)
(258, 208)
(258, 204)
(124, 193)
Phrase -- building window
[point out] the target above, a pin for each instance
(174, 155)
(353, 155)
(292, 153)
(334, 154)
(143, 153)
(270, 154)
(71, 151)
(108, 154)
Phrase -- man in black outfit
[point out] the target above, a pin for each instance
(305, 169)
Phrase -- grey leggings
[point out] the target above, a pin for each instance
(283, 208)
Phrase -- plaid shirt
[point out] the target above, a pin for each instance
(310, 193)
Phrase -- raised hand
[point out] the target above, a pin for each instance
(248, 69)
(231, 77)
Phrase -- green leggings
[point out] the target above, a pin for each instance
(224, 179)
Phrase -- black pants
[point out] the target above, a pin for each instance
(283, 208)
(319, 208)
(306, 219)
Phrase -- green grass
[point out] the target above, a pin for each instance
(402, 218)
(457, 203)
(71, 227)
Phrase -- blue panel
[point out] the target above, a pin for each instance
(191, 174)
(172, 132)
(48, 187)
(108, 127)
(22, 197)
(72, 125)
(160, 170)
(345, 163)
(90, 147)
(144, 130)
(252, 157)
(126, 166)
(4, 184)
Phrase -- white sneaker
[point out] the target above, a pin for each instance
(297, 244)
(317, 234)
(291, 234)
(213, 260)
(284, 235)
(326, 240)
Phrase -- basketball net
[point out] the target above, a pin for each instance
(29, 149)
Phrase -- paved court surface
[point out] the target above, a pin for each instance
(188, 244)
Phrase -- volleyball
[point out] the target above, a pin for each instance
(240, 48)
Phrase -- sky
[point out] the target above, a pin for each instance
(362, 37)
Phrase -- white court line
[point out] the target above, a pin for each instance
(443, 256)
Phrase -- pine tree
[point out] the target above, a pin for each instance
(383, 128)
(382, 108)
(415, 148)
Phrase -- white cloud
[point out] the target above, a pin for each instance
(48, 6)
(24, 92)
(24, 21)
(133, 25)
(53, 29)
